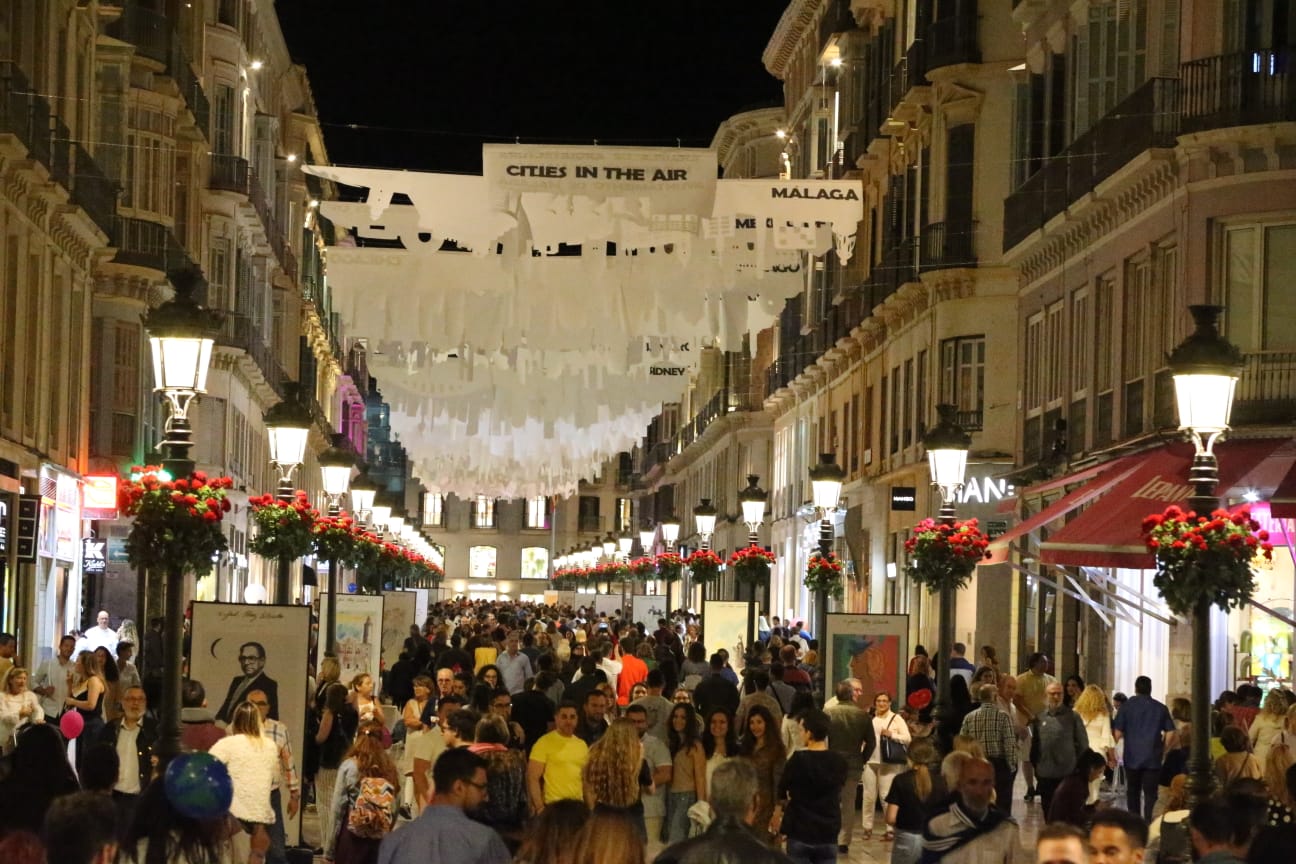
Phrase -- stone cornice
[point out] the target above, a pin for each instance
(799, 17)
(741, 128)
(713, 437)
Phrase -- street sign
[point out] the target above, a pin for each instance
(94, 556)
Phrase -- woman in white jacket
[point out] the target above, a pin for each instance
(253, 762)
(1095, 712)
(877, 773)
(18, 706)
(1268, 724)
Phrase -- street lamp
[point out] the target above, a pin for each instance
(181, 335)
(363, 491)
(646, 537)
(288, 424)
(609, 545)
(396, 522)
(947, 446)
(335, 473)
(625, 542)
(382, 510)
(704, 516)
(753, 500)
(670, 528)
(1205, 368)
(826, 480)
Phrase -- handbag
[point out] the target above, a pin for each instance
(893, 752)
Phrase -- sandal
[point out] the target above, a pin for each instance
(888, 837)
(868, 834)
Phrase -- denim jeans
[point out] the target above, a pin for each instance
(906, 848)
(277, 854)
(677, 818)
(811, 853)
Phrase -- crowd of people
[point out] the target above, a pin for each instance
(526, 733)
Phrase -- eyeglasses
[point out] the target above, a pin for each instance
(248, 658)
(480, 786)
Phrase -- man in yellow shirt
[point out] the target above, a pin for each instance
(1031, 685)
(557, 760)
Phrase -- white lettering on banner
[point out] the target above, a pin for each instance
(987, 490)
(1157, 489)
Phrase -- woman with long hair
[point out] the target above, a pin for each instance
(366, 778)
(337, 729)
(367, 706)
(18, 706)
(1237, 763)
(112, 708)
(412, 720)
(39, 773)
(762, 745)
(1095, 712)
(695, 666)
(505, 807)
(878, 775)
(688, 774)
(802, 702)
(615, 774)
(549, 835)
(1268, 723)
(253, 762)
(1071, 689)
(159, 834)
(719, 740)
(86, 695)
(989, 657)
(910, 802)
(609, 836)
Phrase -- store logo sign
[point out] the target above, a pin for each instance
(94, 556)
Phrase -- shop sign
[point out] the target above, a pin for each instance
(100, 500)
(28, 519)
(94, 556)
(904, 498)
(4, 524)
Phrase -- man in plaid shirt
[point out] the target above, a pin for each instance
(993, 728)
(278, 732)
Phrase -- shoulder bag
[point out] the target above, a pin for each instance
(893, 752)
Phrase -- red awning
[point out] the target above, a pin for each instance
(1110, 533)
(1101, 478)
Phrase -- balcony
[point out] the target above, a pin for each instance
(155, 38)
(1266, 392)
(234, 174)
(1147, 118)
(239, 332)
(589, 523)
(1240, 89)
(945, 245)
(895, 268)
(971, 421)
(952, 39)
(93, 191)
(141, 243)
(838, 18)
(25, 114)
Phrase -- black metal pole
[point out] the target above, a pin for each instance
(178, 464)
(1204, 476)
(330, 620)
(821, 597)
(282, 595)
(944, 632)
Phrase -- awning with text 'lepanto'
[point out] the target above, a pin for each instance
(1109, 532)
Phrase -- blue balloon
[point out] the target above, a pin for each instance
(351, 588)
(198, 786)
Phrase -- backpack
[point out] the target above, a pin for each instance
(371, 814)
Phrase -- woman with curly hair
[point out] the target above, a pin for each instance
(762, 745)
(549, 835)
(608, 837)
(505, 808)
(1095, 712)
(615, 773)
(368, 761)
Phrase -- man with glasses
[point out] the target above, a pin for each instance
(133, 736)
(252, 660)
(444, 832)
(502, 707)
(278, 733)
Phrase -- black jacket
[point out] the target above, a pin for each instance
(727, 841)
(145, 743)
(714, 691)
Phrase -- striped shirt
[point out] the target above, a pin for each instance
(278, 732)
(994, 729)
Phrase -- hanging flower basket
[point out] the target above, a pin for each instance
(612, 571)
(284, 529)
(337, 539)
(643, 569)
(825, 574)
(176, 522)
(1205, 558)
(705, 566)
(944, 556)
(670, 567)
(752, 564)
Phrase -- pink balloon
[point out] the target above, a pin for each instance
(72, 724)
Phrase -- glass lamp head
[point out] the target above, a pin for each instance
(826, 480)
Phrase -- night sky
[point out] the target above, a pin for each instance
(421, 84)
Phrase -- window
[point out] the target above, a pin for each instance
(1054, 356)
(433, 509)
(483, 512)
(1257, 279)
(150, 161)
(481, 562)
(535, 562)
(1079, 343)
(537, 512)
(1109, 60)
(1103, 345)
(223, 120)
(588, 514)
(624, 512)
(1034, 377)
(1136, 341)
(895, 409)
(963, 374)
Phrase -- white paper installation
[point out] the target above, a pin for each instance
(530, 322)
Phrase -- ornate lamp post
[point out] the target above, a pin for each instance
(670, 528)
(1206, 368)
(947, 446)
(288, 425)
(363, 491)
(753, 500)
(181, 335)
(335, 473)
(826, 480)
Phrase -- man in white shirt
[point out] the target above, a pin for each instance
(102, 634)
(133, 736)
(602, 657)
(51, 679)
(658, 757)
(278, 732)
